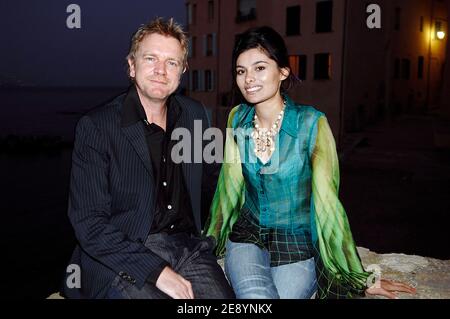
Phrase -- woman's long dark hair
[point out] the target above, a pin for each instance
(271, 42)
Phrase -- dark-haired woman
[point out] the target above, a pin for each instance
(276, 213)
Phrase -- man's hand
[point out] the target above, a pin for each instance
(174, 285)
(389, 289)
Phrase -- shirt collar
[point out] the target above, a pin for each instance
(133, 111)
(289, 123)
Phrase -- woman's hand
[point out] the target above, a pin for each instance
(389, 289)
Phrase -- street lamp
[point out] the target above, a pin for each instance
(440, 34)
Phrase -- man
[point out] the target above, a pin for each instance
(136, 212)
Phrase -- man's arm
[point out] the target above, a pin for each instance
(90, 210)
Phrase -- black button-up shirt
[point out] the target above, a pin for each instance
(173, 213)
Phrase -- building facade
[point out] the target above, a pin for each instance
(358, 60)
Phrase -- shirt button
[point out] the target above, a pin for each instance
(172, 226)
(164, 184)
(262, 192)
(264, 209)
(164, 159)
(169, 206)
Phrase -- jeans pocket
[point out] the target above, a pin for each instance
(117, 289)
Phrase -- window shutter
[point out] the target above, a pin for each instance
(190, 48)
(213, 82)
(205, 44)
(214, 44)
(201, 84)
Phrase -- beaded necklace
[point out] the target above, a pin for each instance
(263, 137)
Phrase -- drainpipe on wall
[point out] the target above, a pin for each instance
(427, 106)
(217, 77)
(388, 62)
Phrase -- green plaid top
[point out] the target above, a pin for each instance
(298, 195)
(276, 212)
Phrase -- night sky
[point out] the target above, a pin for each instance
(39, 50)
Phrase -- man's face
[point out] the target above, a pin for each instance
(157, 67)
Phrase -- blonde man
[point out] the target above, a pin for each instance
(135, 211)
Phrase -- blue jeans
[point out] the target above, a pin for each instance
(248, 269)
(191, 257)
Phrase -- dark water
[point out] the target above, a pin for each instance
(36, 136)
(36, 235)
(48, 111)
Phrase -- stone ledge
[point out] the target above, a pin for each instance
(430, 276)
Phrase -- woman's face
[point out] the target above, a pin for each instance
(258, 76)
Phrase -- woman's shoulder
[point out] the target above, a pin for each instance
(237, 114)
(308, 110)
(301, 108)
(306, 114)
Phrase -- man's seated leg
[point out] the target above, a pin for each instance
(199, 266)
(121, 289)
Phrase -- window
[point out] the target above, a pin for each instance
(302, 67)
(406, 67)
(438, 26)
(194, 14)
(397, 69)
(209, 80)
(298, 66)
(322, 66)
(209, 44)
(398, 13)
(324, 16)
(246, 10)
(193, 46)
(194, 85)
(420, 64)
(190, 48)
(210, 10)
(197, 80)
(201, 80)
(194, 80)
(293, 20)
(189, 13)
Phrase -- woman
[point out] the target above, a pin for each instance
(275, 213)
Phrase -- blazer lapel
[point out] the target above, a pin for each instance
(136, 136)
(133, 127)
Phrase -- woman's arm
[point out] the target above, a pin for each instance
(337, 247)
(229, 195)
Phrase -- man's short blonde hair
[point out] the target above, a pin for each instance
(160, 26)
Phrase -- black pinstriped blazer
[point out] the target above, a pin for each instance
(112, 195)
